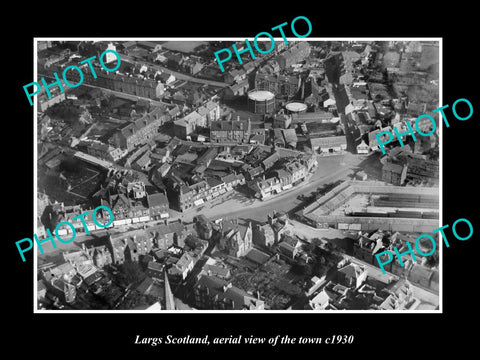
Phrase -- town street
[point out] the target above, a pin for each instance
(234, 204)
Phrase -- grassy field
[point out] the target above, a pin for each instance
(183, 46)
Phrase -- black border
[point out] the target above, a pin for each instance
(378, 334)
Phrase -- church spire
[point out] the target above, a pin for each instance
(169, 299)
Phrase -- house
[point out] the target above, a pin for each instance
(188, 124)
(286, 85)
(352, 275)
(65, 271)
(101, 256)
(263, 235)
(143, 162)
(290, 138)
(236, 237)
(365, 248)
(210, 292)
(129, 246)
(191, 66)
(166, 235)
(324, 300)
(238, 131)
(139, 131)
(363, 148)
(289, 246)
(41, 289)
(394, 173)
(270, 160)
(237, 89)
(400, 299)
(220, 272)
(235, 75)
(166, 78)
(64, 290)
(295, 54)
(329, 144)
(282, 121)
(158, 206)
(279, 224)
(422, 275)
(372, 137)
(104, 151)
(183, 266)
(264, 188)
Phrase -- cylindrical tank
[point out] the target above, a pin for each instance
(261, 102)
(295, 107)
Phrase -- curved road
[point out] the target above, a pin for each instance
(238, 205)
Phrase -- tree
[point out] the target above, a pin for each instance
(132, 272)
(70, 164)
(301, 269)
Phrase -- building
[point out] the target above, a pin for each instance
(390, 208)
(289, 246)
(183, 266)
(104, 151)
(203, 226)
(263, 235)
(238, 131)
(284, 85)
(154, 270)
(210, 111)
(61, 213)
(236, 237)
(44, 102)
(365, 248)
(298, 52)
(211, 292)
(394, 173)
(133, 84)
(363, 148)
(329, 144)
(419, 169)
(189, 124)
(101, 256)
(66, 291)
(236, 89)
(372, 137)
(158, 206)
(126, 210)
(191, 65)
(139, 131)
(286, 177)
(166, 235)
(128, 246)
(261, 101)
(352, 275)
(282, 121)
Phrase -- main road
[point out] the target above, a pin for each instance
(236, 205)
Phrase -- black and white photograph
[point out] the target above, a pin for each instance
(289, 182)
(209, 180)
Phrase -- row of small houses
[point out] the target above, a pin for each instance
(124, 209)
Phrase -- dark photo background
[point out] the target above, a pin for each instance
(377, 335)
